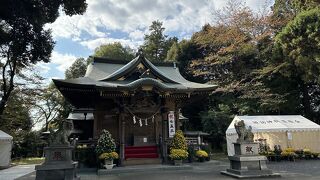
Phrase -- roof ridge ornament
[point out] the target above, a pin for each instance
(140, 52)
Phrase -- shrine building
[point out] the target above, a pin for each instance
(137, 101)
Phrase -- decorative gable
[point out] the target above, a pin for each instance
(138, 68)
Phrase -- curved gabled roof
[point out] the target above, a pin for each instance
(108, 75)
(132, 65)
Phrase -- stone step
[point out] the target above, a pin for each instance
(142, 168)
(140, 161)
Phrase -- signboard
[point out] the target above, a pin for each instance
(172, 129)
(289, 136)
(145, 140)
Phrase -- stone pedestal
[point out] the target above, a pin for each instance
(58, 164)
(247, 163)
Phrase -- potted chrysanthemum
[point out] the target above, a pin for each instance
(177, 155)
(178, 148)
(201, 155)
(106, 149)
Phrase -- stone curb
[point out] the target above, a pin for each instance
(121, 170)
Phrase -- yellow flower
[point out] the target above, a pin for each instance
(178, 154)
(111, 155)
(288, 153)
(306, 150)
(201, 153)
(289, 150)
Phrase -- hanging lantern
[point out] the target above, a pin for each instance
(140, 122)
(134, 120)
(146, 121)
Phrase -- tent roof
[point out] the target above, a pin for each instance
(276, 123)
(5, 136)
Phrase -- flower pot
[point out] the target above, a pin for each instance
(177, 162)
(108, 164)
(108, 161)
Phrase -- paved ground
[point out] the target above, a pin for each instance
(303, 169)
(15, 172)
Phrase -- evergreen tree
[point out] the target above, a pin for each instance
(114, 51)
(299, 48)
(156, 44)
(24, 41)
(77, 69)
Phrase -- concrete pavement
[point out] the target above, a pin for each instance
(301, 169)
(16, 172)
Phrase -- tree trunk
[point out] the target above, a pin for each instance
(7, 89)
(4, 100)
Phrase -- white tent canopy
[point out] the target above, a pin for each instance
(5, 149)
(278, 129)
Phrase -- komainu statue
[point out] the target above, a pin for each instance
(244, 134)
(60, 137)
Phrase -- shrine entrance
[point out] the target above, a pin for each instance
(138, 102)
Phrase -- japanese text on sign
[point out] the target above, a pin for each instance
(172, 129)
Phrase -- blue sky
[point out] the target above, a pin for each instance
(107, 21)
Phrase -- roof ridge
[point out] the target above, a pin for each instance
(130, 66)
(122, 61)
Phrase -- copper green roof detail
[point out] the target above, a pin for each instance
(114, 75)
(131, 67)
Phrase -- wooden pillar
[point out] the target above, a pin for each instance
(122, 145)
(156, 130)
(176, 117)
(95, 125)
(164, 135)
(122, 125)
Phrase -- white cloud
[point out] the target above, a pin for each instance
(63, 61)
(93, 44)
(135, 16)
(42, 67)
(137, 34)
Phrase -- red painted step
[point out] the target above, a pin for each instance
(148, 155)
(141, 147)
(141, 152)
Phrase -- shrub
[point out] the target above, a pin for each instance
(106, 143)
(109, 156)
(267, 153)
(289, 152)
(201, 153)
(179, 141)
(315, 154)
(178, 154)
(277, 149)
(307, 152)
(191, 152)
(286, 154)
(299, 153)
(85, 155)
